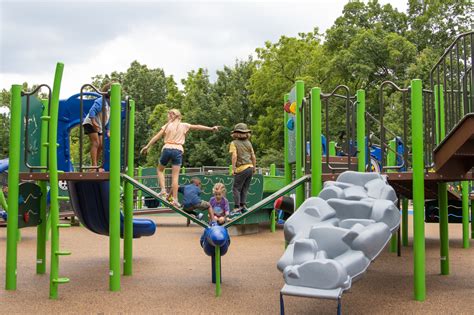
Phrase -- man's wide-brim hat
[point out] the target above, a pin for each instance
(242, 128)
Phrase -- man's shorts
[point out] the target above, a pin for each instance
(173, 155)
(203, 205)
(88, 129)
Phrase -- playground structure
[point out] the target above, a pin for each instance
(439, 145)
(94, 196)
(412, 178)
(85, 187)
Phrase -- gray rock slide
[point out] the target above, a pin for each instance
(333, 238)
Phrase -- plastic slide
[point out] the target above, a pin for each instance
(90, 202)
(333, 237)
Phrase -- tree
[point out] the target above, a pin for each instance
(4, 135)
(199, 107)
(279, 65)
(435, 23)
(156, 120)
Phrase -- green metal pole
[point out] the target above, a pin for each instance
(3, 201)
(128, 209)
(443, 227)
(472, 213)
(361, 131)
(273, 221)
(436, 103)
(218, 270)
(405, 221)
(332, 148)
(41, 230)
(53, 184)
(139, 192)
(316, 143)
(299, 141)
(114, 197)
(442, 190)
(272, 169)
(418, 190)
(286, 148)
(13, 183)
(392, 161)
(465, 213)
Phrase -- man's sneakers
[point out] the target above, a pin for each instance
(199, 216)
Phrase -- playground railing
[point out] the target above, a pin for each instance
(452, 79)
(348, 133)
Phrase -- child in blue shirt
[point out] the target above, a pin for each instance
(219, 203)
(192, 199)
(93, 125)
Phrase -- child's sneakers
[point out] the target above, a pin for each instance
(163, 195)
(176, 204)
(235, 213)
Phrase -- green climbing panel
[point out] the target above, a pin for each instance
(34, 133)
(29, 205)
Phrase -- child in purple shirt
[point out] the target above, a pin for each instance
(219, 203)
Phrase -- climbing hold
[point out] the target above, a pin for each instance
(293, 108)
(290, 124)
(286, 107)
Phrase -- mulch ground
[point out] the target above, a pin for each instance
(172, 275)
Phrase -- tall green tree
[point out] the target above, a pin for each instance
(279, 65)
(435, 23)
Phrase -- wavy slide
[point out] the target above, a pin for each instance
(334, 237)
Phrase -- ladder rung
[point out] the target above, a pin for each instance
(62, 253)
(63, 225)
(45, 117)
(60, 172)
(63, 198)
(46, 144)
(61, 280)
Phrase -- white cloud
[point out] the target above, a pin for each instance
(176, 36)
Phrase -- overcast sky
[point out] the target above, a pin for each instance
(98, 37)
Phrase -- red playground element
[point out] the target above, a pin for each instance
(284, 203)
(286, 107)
(26, 217)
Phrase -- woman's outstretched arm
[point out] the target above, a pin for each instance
(155, 138)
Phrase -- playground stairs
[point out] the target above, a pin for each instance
(455, 154)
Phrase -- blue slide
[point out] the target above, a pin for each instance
(90, 199)
(90, 202)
